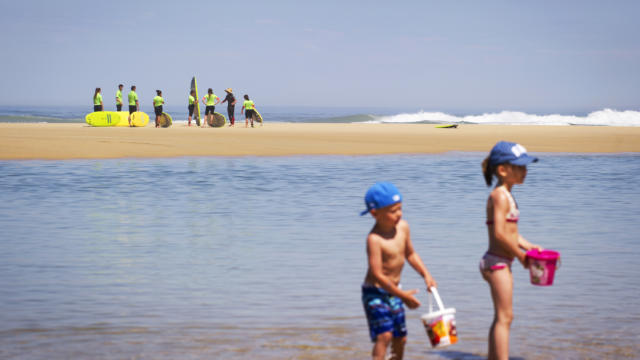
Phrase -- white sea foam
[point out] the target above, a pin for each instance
(606, 117)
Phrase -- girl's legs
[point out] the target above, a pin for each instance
(501, 283)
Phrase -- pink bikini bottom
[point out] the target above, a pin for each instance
(493, 262)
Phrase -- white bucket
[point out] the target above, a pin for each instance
(441, 324)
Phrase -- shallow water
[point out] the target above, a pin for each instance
(244, 258)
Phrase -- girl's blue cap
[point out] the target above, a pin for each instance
(380, 195)
(511, 153)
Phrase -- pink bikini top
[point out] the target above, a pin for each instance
(514, 214)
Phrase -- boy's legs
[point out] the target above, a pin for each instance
(381, 345)
(501, 283)
(397, 348)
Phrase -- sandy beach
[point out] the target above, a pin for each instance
(79, 141)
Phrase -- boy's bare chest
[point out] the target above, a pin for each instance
(393, 248)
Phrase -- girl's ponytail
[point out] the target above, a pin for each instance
(487, 171)
(95, 94)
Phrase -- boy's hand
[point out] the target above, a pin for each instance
(410, 300)
(431, 282)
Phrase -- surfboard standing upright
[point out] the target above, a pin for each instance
(196, 111)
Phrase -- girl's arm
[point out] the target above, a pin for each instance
(374, 254)
(525, 245)
(416, 262)
(506, 241)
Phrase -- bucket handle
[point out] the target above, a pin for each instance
(435, 295)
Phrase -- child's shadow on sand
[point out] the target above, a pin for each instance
(461, 355)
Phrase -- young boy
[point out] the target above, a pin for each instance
(388, 245)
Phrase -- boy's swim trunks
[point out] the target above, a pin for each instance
(384, 312)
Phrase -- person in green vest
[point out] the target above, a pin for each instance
(119, 98)
(134, 105)
(210, 100)
(158, 101)
(248, 107)
(192, 104)
(97, 100)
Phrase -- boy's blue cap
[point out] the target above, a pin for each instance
(380, 195)
(511, 153)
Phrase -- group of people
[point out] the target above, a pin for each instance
(210, 101)
(389, 245)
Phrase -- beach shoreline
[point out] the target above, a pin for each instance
(28, 141)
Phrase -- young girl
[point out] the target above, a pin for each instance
(508, 163)
(158, 101)
(248, 107)
(97, 100)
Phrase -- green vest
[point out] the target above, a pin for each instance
(248, 105)
(119, 97)
(97, 100)
(211, 99)
(133, 98)
(192, 100)
(157, 101)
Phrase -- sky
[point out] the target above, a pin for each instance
(466, 56)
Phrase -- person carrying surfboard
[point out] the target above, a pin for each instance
(158, 101)
(231, 106)
(97, 100)
(119, 98)
(210, 100)
(192, 104)
(248, 108)
(134, 105)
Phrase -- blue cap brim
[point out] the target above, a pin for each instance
(364, 212)
(525, 159)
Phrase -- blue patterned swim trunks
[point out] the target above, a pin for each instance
(384, 312)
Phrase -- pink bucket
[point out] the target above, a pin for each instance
(542, 266)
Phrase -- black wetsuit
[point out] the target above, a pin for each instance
(230, 99)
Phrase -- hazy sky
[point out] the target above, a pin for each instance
(435, 55)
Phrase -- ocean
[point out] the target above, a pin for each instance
(263, 257)
(603, 117)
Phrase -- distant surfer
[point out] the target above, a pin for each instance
(97, 100)
(119, 97)
(192, 104)
(158, 101)
(231, 105)
(248, 107)
(210, 100)
(134, 105)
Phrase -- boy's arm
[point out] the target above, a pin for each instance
(416, 262)
(374, 253)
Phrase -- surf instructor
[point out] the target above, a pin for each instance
(210, 100)
(97, 100)
(158, 101)
(134, 105)
(119, 98)
(248, 107)
(231, 105)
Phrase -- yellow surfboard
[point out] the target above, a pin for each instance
(103, 118)
(196, 110)
(164, 120)
(138, 119)
(258, 117)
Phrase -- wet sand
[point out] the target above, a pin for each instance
(80, 141)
